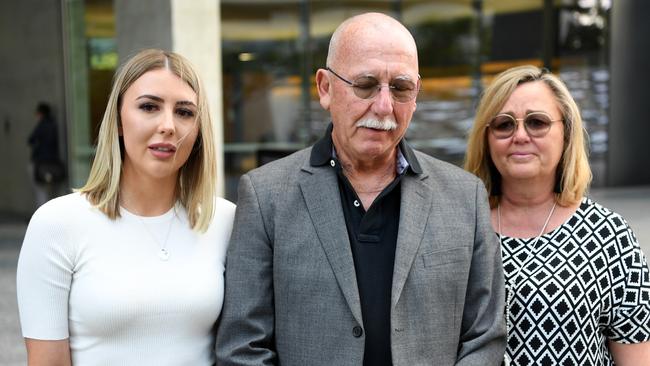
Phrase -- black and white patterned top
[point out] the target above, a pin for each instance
(587, 282)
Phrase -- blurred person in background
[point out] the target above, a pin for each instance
(46, 169)
(128, 270)
(577, 283)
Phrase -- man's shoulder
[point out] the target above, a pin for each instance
(282, 167)
(442, 170)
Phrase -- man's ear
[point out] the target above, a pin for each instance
(415, 101)
(324, 88)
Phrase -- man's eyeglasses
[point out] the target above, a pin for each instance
(366, 87)
(537, 124)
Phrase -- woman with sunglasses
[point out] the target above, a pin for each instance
(128, 270)
(577, 283)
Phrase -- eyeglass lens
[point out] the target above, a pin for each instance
(536, 124)
(367, 87)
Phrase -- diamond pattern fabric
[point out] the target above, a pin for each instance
(588, 282)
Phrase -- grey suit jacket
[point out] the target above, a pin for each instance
(291, 291)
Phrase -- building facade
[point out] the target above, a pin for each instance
(258, 59)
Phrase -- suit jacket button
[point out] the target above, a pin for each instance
(357, 331)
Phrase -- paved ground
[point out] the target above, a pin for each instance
(12, 350)
(632, 203)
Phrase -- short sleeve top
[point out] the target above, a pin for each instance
(585, 282)
(103, 284)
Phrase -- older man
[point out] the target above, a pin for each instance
(360, 250)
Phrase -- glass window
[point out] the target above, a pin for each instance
(262, 80)
(582, 61)
(102, 58)
(271, 51)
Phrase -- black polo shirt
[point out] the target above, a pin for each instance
(373, 237)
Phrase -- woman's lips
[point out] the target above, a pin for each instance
(521, 155)
(162, 150)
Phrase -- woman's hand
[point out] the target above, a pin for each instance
(637, 354)
(48, 353)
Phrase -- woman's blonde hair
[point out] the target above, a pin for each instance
(573, 173)
(196, 184)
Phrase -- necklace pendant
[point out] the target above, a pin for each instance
(163, 254)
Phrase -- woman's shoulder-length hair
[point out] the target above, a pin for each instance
(196, 184)
(573, 173)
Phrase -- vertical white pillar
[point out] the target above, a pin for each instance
(196, 34)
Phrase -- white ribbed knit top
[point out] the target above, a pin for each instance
(101, 283)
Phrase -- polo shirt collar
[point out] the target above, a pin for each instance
(323, 151)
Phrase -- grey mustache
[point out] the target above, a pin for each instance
(385, 124)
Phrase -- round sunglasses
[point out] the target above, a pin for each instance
(537, 124)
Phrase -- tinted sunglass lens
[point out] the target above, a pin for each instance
(367, 88)
(403, 95)
(537, 124)
(403, 91)
(503, 126)
(365, 92)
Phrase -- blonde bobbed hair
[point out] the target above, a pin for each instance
(196, 184)
(573, 174)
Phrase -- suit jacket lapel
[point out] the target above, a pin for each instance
(415, 206)
(319, 187)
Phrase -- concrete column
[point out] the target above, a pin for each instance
(142, 24)
(190, 28)
(196, 34)
(629, 131)
(32, 67)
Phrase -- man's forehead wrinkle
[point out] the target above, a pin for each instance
(379, 40)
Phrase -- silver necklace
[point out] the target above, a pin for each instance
(163, 253)
(510, 287)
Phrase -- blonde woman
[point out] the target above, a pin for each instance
(128, 270)
(577, 283)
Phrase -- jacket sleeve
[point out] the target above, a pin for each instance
(34, 135)
(482, 338)
(245, 333)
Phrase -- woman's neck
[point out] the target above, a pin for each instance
(527, 195)
(524, 207)
(146, 196)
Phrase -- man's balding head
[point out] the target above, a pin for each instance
(368, 26)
